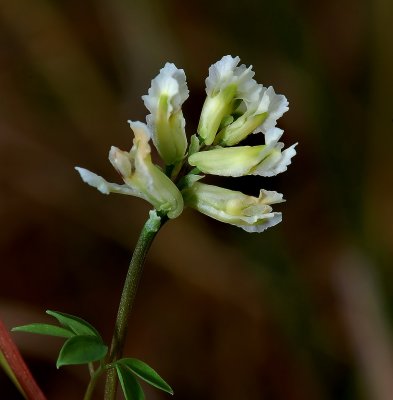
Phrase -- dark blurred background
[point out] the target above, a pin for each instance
(302, 311)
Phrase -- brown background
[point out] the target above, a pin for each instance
(303, 311)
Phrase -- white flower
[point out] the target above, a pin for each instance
(165, 97)
(253, 214)
(226, 84)
(141, 177)
(256, 116)
(235, 107)
(263, 160)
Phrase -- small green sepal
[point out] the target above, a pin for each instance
(154, 221)
(194, 145)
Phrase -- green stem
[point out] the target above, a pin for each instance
(134, 273)
(91, 369)
(92, 383)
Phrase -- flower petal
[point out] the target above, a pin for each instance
(277, 161)
(171, 81)
(225, 72)
(147, 178)
(279, 165)
(275, 105)
(104, 186)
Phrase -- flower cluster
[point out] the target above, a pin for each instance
(235, 107)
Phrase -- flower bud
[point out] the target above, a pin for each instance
(259, 116)
(165, 97)
(141, 177)
(226, 85)
(253, 214)
(263, 160)
(121, 161)
(213, 112)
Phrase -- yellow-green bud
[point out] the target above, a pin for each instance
(239, 129)
(263, 160)
(213, 112)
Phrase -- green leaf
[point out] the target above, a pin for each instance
(81, 349)
(76, 324)
(143, 371)
(131, 388)
(44, 329)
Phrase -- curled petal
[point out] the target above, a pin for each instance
(221, 74)
(276, 164)
(274, 105)
(140, 155)
(279, 160)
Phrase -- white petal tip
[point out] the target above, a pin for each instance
(271, 219)
(93, 180)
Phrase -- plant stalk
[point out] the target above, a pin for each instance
(92, 383)
(14, 365)
(131, 283)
